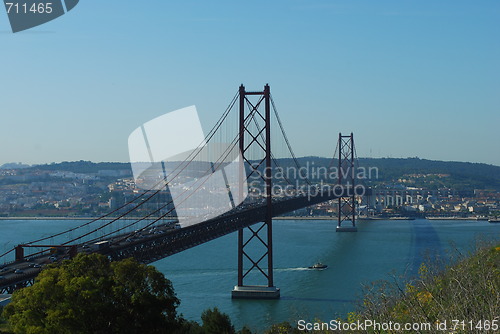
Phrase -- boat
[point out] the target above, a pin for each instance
(494, 220)
(318, 265)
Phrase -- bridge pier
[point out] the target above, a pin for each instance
(346, 229)
(19, 253)
(255, 292)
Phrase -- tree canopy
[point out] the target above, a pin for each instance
(215, 322)
(90, 294)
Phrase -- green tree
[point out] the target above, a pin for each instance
(245, 330)
(90, 294)
(215, 322)
(190, 327)
(283, 328)
(3, 323)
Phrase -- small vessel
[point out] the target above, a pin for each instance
(494, 220)
(318, 265)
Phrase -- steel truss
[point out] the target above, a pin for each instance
(346, 172)
(255, 235)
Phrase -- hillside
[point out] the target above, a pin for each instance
(457, 175)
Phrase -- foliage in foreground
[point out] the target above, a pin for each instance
(90, 294)
(468, 290)
(3, 323)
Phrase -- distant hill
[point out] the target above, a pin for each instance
(85, 167)
(14, 165)
(462, 175)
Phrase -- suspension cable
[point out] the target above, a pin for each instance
(200, 146)
(286, 138)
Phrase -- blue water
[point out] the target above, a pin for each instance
(204, 276)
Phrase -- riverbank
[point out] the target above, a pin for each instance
(275, 218)
(305, 218)
(137, 218)
(456, 218)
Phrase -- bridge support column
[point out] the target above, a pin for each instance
(19, 253)
(256, 250)
(347, 202)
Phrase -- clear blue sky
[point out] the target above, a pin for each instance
(409, 78)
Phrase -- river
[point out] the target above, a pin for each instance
(204, 276)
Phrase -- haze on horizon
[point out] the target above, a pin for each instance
(413, 78)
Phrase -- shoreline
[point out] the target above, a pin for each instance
(305, 218)
(275, 218)
(137, 218)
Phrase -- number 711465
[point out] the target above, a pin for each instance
(24, 8)
(481, 325)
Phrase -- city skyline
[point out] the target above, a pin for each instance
(409, 79)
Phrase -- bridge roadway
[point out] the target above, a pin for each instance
(156, 243)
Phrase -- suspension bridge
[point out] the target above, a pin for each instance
(235, 180)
